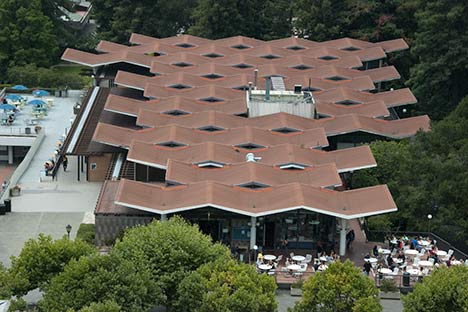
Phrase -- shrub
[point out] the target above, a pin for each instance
(388, 285)
(86, 232)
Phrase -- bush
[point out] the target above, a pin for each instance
(388, 285)
(86, 232)
(32, 76)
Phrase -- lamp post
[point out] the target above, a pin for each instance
(68, 228)
(255, 247)
(429, 217)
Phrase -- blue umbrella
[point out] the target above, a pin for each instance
(13, 97)
(40, 93)
(7, 107)
(19, 88)
(36, 102)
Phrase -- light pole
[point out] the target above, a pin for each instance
(255, 247)
(68, 228)
(429, 217)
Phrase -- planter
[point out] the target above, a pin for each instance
(393, 295)
(15, 191)
(296, 291)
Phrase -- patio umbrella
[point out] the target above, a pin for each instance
(19, 88)
(40, 93)
(13, 97)
(7, 107)
(36, 102)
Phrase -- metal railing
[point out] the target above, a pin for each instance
(23, 131)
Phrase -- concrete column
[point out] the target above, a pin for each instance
(163, 217)
(343, 224)
(253, 232)
(10, 155)
(78, 168)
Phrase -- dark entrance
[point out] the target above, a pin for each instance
(210, 227)
(269, 234)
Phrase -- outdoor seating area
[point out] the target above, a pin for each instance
(25, 109)
(288, 269)
(408, 260)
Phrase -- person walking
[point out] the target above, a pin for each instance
(65, 163)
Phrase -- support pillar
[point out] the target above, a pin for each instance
(163, 217)
(10, 155)
(253, 232)
(343, 224)
(78, 168)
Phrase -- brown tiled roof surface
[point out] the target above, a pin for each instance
(120, 136)
(247, 172)
(369, 109)
(128, 106)
(348, 204)
(400, 128)
(157, 156)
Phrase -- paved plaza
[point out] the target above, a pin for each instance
(47, 207)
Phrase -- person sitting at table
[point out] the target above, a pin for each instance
(415, 244)
(333, 256)
(375, 251)
(10, 120)
(322, 267)
(391, 264)
(401, 255)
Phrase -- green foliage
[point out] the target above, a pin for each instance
(5, 283)
(26, 34)
(170, 249)
(86, 232)
(32, 76)
(116, 20)
(341, 288)
(266, 19)
(106, 306)
(40, 260)
(99, 279)
(439, 79)
(444, 290)
(388, 285)
(226, 286)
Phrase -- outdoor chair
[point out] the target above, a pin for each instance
(291, 254)
(280, 257)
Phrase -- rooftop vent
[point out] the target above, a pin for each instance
(211, 99)
(182, 64)
(295, 48)
(240, 46)
(285, 130)
(176, 112)
(242, 66)
(185, 45)
(270, 56)
(213, 55)
(302, 67)
(179, 86)
(337, 78)
(292, 166)
(171, 144)
(212, 76)
(348, 102)
(210, 164)
(254, 185)
(249, 146)
(328, 57)
(250, 157)
(211, 128)
(351, 49)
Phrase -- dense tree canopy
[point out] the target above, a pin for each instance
(226, 286)
(341, 288)
(440, 77)
(427, 175)
(446, 289)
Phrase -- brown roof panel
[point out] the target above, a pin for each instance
(293, 43)
(208, 93)
(394, 45)
(141, 39)
(131, 107)
(390, 98)
(185, 39)
(176, 136)
(370, 109)
(348, 204)
(185, 58)
(252, 172)
(363, 83)
(303, 61)
(213, 51)
(236, 41)
(349, 159)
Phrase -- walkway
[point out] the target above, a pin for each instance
(47, 207)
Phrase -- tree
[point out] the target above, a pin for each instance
(106, 306)
(170, 249)
(116, 20)
(440, 78)
(226, 286)
(341, 288)
(42, 259)
(97, 279)
(26, 34)
(445, 289)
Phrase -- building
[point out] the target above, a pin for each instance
(254, 141)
